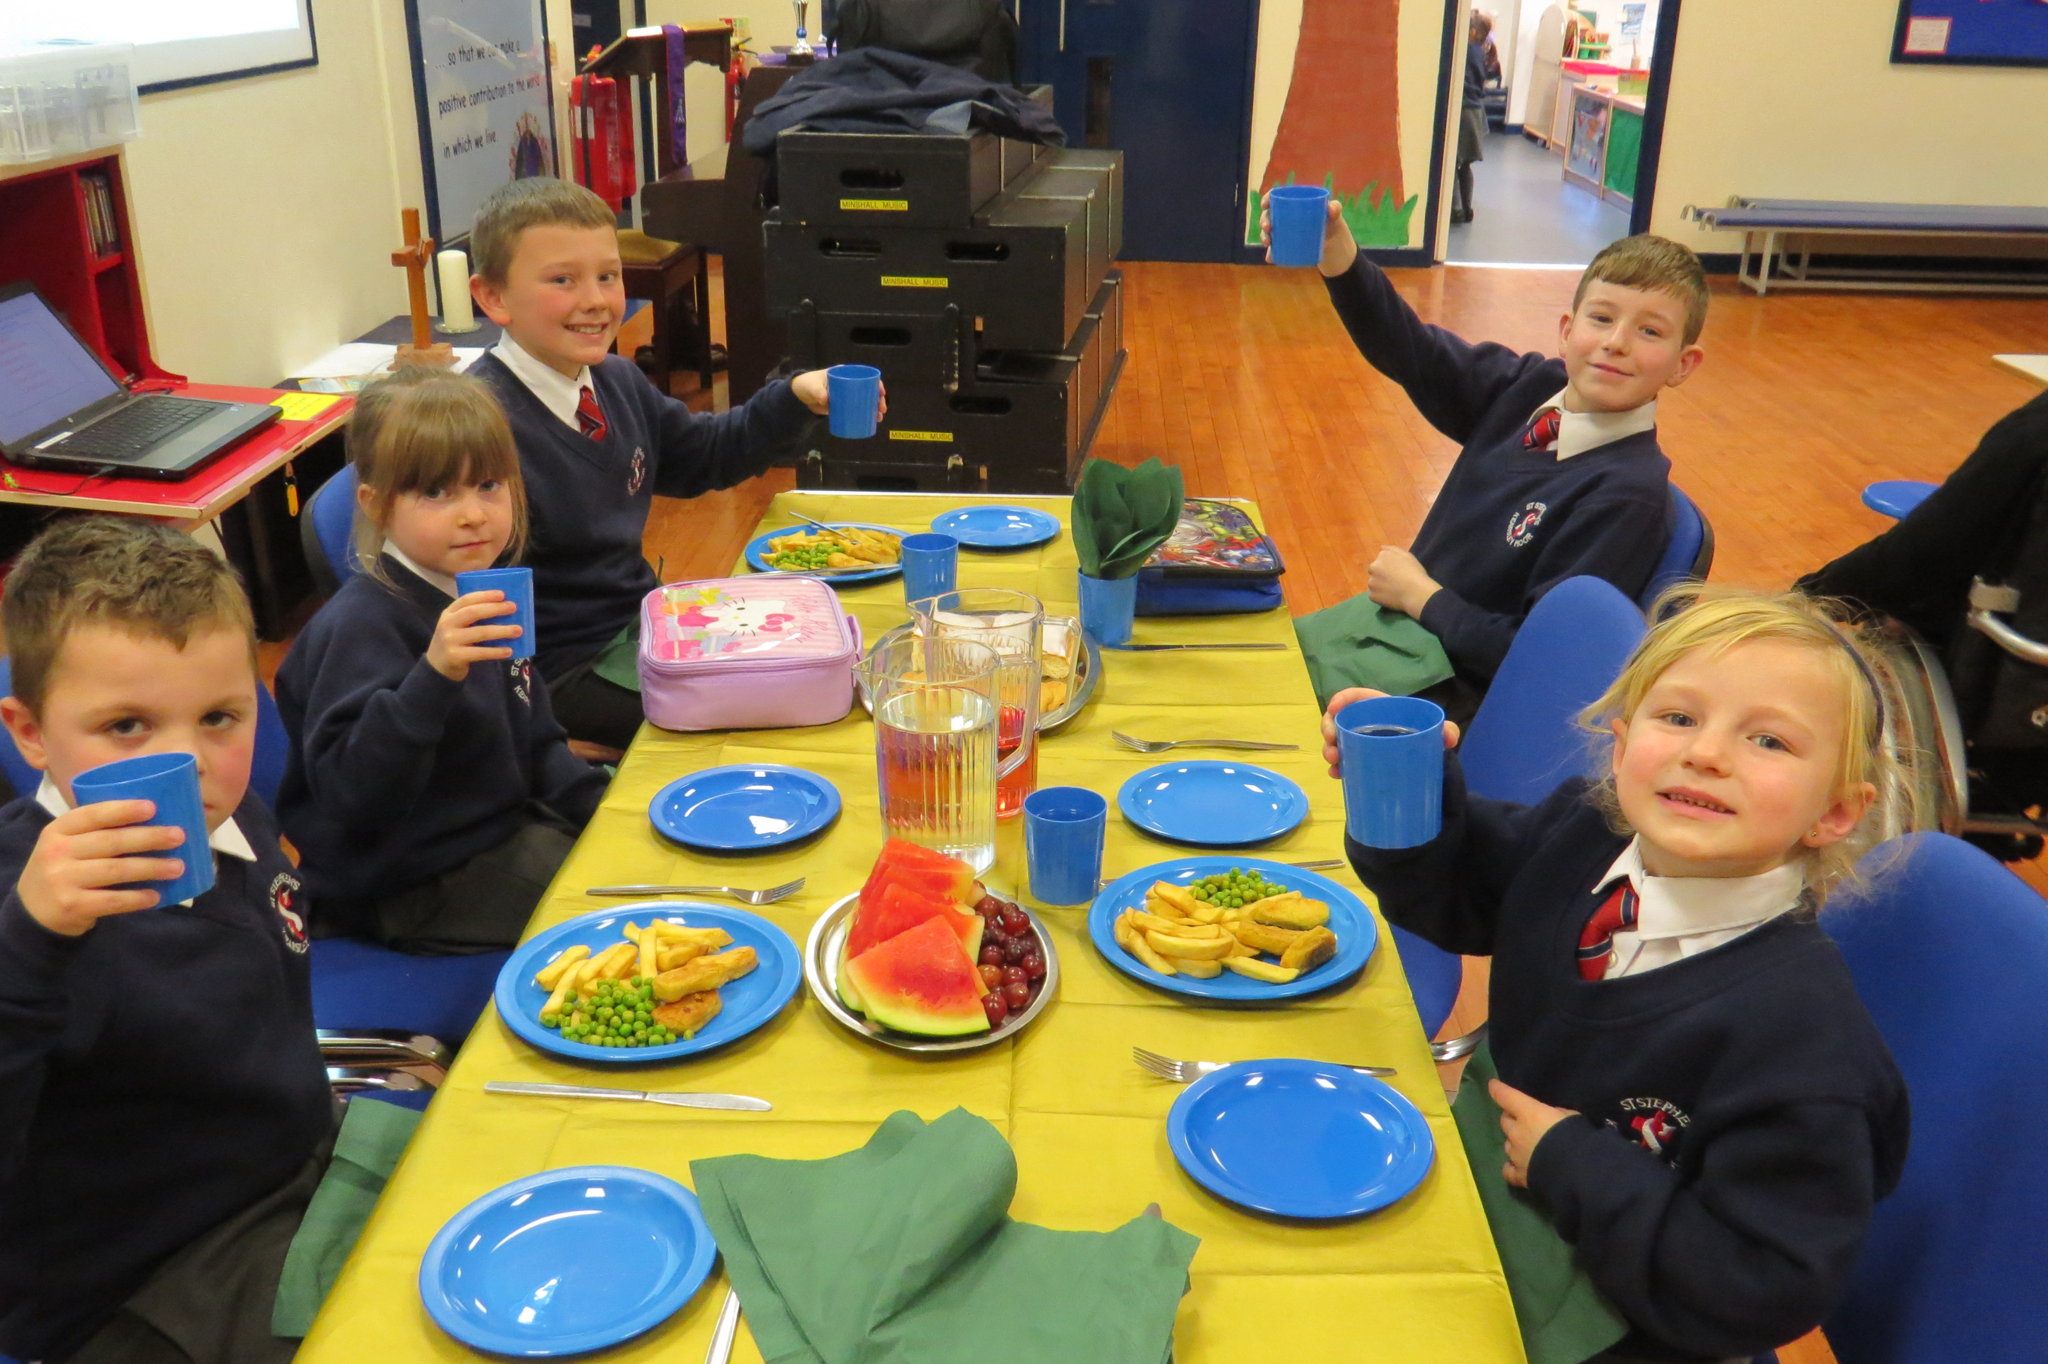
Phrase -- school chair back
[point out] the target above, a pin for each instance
(1688, 554)
(266, 772)
(327, 531)
(1526, 738)
(1949, 951)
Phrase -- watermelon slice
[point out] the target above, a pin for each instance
(932, 874)
(899, 908)
(921, 982)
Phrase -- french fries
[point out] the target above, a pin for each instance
(682, 965)
(1176, 934)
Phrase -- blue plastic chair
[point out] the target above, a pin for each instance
(1894, 497)
(1688, 554)
(1950, 955)
(327, 531)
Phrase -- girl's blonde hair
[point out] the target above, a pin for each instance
(421, 430)
(1875, 742)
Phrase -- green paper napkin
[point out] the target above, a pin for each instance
(1563, 1317)
(1121, 515)
(366, 1150)
(619, 663)
(903, 1252)
(1357, 643)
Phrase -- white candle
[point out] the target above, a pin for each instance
(456, 315)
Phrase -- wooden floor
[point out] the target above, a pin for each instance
(1243, 377)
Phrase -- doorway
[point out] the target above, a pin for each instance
(1574, 115)
(1168, 83)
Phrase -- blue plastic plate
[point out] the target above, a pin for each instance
(998, 527)
(1300, 1138)
(757, 553)
(745, 1004)
(566, 1261)
(746, 806)
(1350, 920)
(1216, 804)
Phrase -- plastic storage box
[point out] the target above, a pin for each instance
(61, 98)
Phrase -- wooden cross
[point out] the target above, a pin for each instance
(417, 253)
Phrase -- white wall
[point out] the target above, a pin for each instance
(1520, 74)
(1819, 112)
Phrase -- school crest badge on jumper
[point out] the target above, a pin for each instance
(520, 670)
(638, 476)
(1522, 525)
(1656, 1125)
(284, 898)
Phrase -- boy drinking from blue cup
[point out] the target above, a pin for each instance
(1688, 1084)
(164, 1115)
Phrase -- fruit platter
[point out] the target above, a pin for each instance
(924, 958)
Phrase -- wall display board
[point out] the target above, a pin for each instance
(480, 79)
(1972, 32)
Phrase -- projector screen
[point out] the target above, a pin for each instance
(180, 44)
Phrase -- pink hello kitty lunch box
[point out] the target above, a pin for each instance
(760, 652)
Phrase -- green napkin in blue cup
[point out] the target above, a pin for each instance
(903, 1252)
(1121, 515)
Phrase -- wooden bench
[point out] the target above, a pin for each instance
(1802, 222)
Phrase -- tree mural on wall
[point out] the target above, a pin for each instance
(1341, 126)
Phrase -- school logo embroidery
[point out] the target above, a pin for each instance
(284, 894)
(638, 476)
(1656, 1125)
(521, 672)
(1522, 525)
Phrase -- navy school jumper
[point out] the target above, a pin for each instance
(1740, 1114)
(587, 500)
(1509, 523)
(158, 1074)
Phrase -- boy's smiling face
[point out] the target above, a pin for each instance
(562, 298)
(113, 694)
(1622, 346)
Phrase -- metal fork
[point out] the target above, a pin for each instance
(751, 897)
(1184, 1072)
(1161, 745)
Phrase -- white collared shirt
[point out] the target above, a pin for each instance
(440, 580)
(1677, 916)
(228, 838)
(1578, 432)
(557, 392)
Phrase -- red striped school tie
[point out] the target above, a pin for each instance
(589, 415)
(1543, 430)
(1596, 939)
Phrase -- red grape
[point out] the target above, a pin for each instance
(1033, 964)
(996, 1007)
(1014, 949)
(992, 954)
(989, 905)
(992, 976)
(1017, 995)
(1014, 975)
(1015, 921)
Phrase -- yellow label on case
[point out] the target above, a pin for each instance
(874, 205)
(921, 435)
(914, 282)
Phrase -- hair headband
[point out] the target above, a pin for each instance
(1869, 674)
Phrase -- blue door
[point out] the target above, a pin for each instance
(1168, 83)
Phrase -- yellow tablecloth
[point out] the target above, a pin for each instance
(1416, 1282)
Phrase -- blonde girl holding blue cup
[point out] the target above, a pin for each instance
(429, 789)
(1688, 1084)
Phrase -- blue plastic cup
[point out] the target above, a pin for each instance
(517, 585)
(1300, 216)
(1108, 606)
(171, 781)
(1063, 832)
(931, 564)
(852, 393)
(1391, 752)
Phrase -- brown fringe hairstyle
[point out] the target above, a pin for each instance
(121, 571)
(538, 201)
(425, 429)
(1694, 616)
(1656, 264)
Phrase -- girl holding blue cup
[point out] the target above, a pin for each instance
(429, 790)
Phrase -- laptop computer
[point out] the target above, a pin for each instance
(62, 408)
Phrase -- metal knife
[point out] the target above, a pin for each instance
(1161, 648)
(728, 1327)
(740, 1102)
